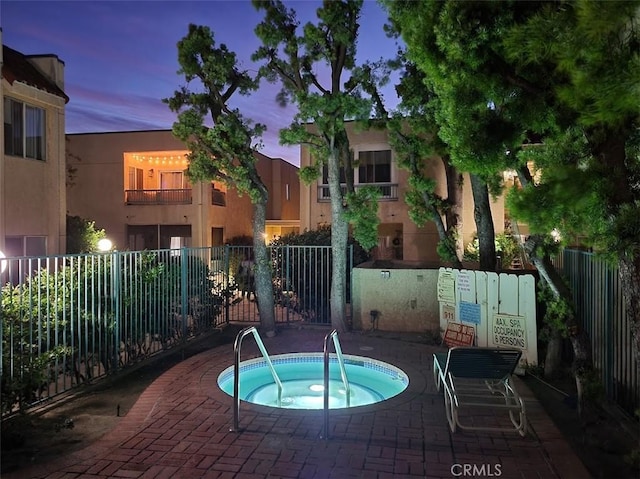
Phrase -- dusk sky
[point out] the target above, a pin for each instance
(121, 56)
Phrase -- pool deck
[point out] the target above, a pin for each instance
(180, 428)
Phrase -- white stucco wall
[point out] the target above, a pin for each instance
(406, 299)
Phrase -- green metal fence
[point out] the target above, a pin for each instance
(74, 319)
(598, 297)
(69, 320)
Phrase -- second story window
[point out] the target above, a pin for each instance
(24, 130)
(374, 167)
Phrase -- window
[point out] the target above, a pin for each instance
(173, 180)
(325, 176)
(143, 237)
(24, 130)
(26, 246)
(136, 178)
(374, 167)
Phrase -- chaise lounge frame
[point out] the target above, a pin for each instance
(479, 377)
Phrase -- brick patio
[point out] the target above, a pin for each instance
(180, 428)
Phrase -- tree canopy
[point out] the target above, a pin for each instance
(549, 89)
(221, 141)
(298, 58)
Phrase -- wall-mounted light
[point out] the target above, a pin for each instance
(150, 173)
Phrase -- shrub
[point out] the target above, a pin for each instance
(506, 245)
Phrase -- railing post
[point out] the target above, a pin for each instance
(285, 270)
(226, 276)
(236, 372)
(343, 373)
(326, 388)
(116, 294)
(184, 296)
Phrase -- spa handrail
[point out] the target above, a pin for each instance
(343, 373)
(236, 372)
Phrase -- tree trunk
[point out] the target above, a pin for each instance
(629, 272)
(263, 273)
(454, 202)
(609, 146)
(484, 224)
(553, 357)
(443, 232)
(582, 359)
(339, 240)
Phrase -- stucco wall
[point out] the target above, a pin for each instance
(32, 191)
(406, 299)
(419, 243)
(101, 162)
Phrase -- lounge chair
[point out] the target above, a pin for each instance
(474, 377)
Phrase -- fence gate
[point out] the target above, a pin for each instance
(301, 282)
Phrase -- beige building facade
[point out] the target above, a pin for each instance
(398, 236)
(134, 186)
(32, 163)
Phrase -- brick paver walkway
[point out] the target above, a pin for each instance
(180, 428)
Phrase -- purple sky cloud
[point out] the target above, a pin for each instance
(121, 56)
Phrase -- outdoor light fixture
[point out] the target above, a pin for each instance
(105, 245)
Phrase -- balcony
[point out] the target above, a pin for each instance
(218, 198)
(388, 191)
(158, 197)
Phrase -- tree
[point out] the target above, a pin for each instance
(486, 108)
(444, 43)
(226, 150)
(82, 236)
(298, 61)
(414, 136)
(591, 162)
(567, 73)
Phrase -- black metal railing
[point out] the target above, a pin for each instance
(218, 198)
(182, 196)
(388, 191)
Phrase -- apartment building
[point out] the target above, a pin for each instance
(133, 185)
(32, 163)
(398, 236)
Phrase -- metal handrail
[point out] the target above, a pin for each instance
(236, 372)
(343, 373)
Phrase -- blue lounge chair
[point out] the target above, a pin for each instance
(474, 377)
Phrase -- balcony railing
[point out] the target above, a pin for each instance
(158, 197)
(218, 198)
(388, 191)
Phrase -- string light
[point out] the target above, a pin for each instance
(160, 159)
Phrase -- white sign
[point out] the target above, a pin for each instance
(509, 331)
(464, 282)
(446, 287)
(448, 312)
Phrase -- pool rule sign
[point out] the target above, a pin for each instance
(509, 331)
